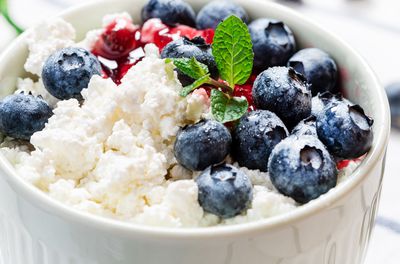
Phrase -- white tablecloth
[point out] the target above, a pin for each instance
(372, 27)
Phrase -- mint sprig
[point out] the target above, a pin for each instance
(233, 53)
(191, 67)
(225, 108)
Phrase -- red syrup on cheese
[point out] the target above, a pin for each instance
(120, 46)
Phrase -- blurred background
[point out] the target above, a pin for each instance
(371, 26)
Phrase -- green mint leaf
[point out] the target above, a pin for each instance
(190, 66)
(233, 51)
(199, 82)
(225, 109)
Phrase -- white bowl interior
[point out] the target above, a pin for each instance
(358, 81)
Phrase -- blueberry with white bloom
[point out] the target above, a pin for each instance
(318, 67)
(285, 92)
(224, 190)
(68, 71)
(306, 126)
(302, 168)
(273, 43)
(254, 137)
(203, 144)
(345, 129)
(21, 115)
(191, 48)
(216, 11)
(171, 12)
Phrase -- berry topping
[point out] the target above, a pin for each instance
(302, 168)
(273, 43)
(154, 31)
(318, 67)
(246, 91)
(254, 137)
(66, 72)
(284, 92)
(201, 145)
(224, 190)
(171, 12)
(306, 126)
(345, 130)
(118, 39)
(21, 115)
(188, 48)
(393, 93)
(216, 11)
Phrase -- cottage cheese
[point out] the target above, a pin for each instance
(113, 155)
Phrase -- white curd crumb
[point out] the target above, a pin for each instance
(45, 39)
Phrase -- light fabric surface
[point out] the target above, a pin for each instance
(372, 27)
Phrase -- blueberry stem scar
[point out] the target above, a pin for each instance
(4, 12)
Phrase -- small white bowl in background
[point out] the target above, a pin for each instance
(34, 229)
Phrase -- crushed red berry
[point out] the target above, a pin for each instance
(154, 31)
(246, 91)
(344, 163)
(118, 39)
(117, 47)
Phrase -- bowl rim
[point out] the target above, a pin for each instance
(52, 206)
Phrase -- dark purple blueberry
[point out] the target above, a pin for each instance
(306, 126)
(203, 144)
(171, 12)
(254, 137)
(224, 190)
(302, 168)
(319, 101)
(345, 129)
(284, 92)
(188, 48)
(216, 11)
(318, 67)
(68, 71)
(21, 115)
(273, 43)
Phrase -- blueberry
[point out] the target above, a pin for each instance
(188, 48)
(224, 190)
(306, 126)
(203, 144)
(393, 93)
(171, 12)
(68, 71)
(255, 136)
(273, 43)
(318, 67)
(321, 100)
(21, 115)
(284, 92)
(302, 168)
(216, 11)
(345, 130)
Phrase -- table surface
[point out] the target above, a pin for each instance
(371, 26)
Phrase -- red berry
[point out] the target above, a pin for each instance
(118, 39)
(246, 91)
(342, 164)
(151, 29)
(208, 35)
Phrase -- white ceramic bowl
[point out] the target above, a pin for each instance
(35, 229)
